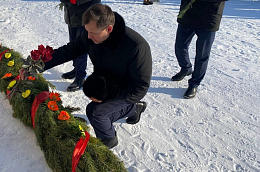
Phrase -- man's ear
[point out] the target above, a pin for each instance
(109, 28)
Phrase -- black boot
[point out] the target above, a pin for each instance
(69, 75)
(140, 107)
(179, 76)
(76, 85)
(190, 92)
(110, 143)
(147, 2)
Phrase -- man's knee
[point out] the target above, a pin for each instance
(89, 109)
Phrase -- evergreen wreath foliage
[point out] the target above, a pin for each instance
(57, 138)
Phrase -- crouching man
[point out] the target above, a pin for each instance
(122, 70)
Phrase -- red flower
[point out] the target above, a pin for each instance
(45, 54)
(35, 54)
(41, 48)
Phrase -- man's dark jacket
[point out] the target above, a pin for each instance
(204, 15)
(73, 12)
(125, 54)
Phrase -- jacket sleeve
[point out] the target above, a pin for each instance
(140, 71)
(79, 2)
(68, 52)
(67, 2)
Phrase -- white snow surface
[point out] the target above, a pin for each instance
(218, 130)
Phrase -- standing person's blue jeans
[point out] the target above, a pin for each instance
(80, 64)
(204, 42)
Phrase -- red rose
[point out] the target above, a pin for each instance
(48, 54)
(41, 48)
(45, 54)
(35, 54)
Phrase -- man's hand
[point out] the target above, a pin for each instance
(95, 100)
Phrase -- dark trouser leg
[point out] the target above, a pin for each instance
(203, 47)
(182, 42)
(80, 64)
(102, 116)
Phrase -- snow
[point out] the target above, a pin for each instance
(218, 130)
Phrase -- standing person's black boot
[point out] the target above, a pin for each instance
(76, 85)
(190, 92)
(140, 107)
(69, 75)
(179, 76)
(147, 2)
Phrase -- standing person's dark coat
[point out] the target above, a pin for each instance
(73, 11)
(202, 15)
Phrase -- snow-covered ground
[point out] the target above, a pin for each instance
(218, 130)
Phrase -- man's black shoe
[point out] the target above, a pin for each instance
(76, 85)
(140, 107)
(110, 143)
(190, 92)
(179, 76)
(69, 75)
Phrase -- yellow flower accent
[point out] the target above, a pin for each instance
(81, 130)
(11, 84)
(26, 93)
(7, 55)
(10, 63)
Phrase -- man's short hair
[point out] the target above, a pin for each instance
(100, 13)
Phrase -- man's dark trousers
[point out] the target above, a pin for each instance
(102, 116)
(204, 43)
(80, 64)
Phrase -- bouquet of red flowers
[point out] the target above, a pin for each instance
(34, 63)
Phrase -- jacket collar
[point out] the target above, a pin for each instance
(115, 36)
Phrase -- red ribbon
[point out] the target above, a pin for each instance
(73, 1)
(2, 53)
(40, 98)
(79, 150)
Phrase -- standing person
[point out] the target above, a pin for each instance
(73, 11)
(122, 64)
(200, 17)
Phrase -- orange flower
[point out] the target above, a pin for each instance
(8, 75)
(31, 78)
(55, 96)
(63, 115)
(52, 105)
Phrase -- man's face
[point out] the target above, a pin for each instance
(97, 35)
